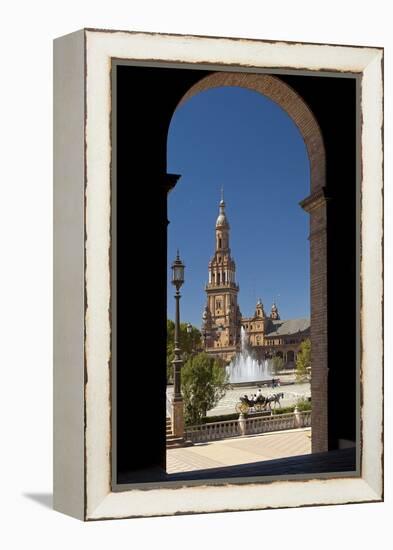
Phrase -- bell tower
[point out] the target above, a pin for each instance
(221, 323)
(274, 315)
(259, 311)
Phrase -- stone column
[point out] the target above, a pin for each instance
(242, 424)
(316, 206)
(177, 418)
(298, 418)
(177, 421)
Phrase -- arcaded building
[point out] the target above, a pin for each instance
(267, 335)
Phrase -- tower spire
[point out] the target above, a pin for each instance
(274, 311)
(222, 291)
(222, 221)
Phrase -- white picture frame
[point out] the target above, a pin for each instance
(82, 335)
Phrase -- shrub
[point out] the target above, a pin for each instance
(303, 361)
(204, 382)
(284, 410)
(303, 404)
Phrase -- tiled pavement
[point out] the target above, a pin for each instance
(228, 402)
(242, 450)
(292, 393)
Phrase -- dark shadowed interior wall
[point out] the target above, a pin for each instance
(143, 105)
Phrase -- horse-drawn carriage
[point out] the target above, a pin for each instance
(260, 403)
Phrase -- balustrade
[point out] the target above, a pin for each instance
(254, 425)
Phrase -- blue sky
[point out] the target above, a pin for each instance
(243, 141)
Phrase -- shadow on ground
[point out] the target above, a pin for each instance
(332, 462)
(45, 499)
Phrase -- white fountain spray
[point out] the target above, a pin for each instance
(244, 368)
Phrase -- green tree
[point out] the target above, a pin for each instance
(278, 364)
(303, 361)
(189, 343)
(204, 381)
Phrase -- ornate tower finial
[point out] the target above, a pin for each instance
(274, 311)
(222, 219)
(259, 311)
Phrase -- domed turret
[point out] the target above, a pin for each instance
(222, 222)
(222, 228)
(274, 313)
(259, 311)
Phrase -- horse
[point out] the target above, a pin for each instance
(275, 398)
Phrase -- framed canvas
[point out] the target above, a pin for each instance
(115, 95)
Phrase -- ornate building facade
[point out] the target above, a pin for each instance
(222, 320)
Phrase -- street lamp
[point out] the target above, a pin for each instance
(177, 273)
(177, 401)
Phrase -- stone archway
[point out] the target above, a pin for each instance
(315, 204)
(290, 356)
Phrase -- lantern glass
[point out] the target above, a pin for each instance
(177, 272)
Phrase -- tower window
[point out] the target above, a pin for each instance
(219, 243)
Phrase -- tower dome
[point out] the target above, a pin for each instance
(274, 312)
(222, 221)
(259, 311)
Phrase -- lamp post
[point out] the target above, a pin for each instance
(177, 400)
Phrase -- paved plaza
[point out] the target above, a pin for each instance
(292, 392)
(240, 450)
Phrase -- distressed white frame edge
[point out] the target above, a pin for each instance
(69, 275)
(100, 501)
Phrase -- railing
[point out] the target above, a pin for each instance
(169, 405)
(212, 431)
(306, 418)
(247, 426)
(278, 422)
